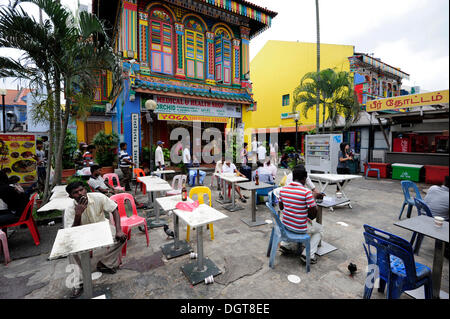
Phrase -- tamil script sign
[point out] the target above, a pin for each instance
(191, 118)
(135, 132)
(176, 105)
(437, 97)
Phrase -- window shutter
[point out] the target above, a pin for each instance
(218, 50)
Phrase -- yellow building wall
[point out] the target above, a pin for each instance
(277, 70)
(81, 134)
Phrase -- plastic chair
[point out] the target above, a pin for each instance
(129, 222)
(139, 172)
(369, 169)
(281, 233)
(200, 191)
(264, 178)
(406, 185)
(177, 184)
(110, 177)
(395, 261)
(4, 243)
(421, 208)
(27, 218)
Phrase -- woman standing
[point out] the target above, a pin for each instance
(343, 158)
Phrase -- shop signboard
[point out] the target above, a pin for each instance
(404, 101)
(175, 105)
(16, 156)
(191, 118)
(135, 132)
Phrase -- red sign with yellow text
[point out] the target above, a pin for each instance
(430, 98)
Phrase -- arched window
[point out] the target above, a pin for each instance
(195, 48)
(161, 41)
(222, 53)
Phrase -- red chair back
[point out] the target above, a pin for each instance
(110, 177)
(26, 214)
(120, 201)
(139, 172)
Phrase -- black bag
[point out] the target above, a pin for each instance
(246, 171)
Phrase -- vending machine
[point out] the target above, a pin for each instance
(321, 152)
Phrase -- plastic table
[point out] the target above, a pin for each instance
(233, 179)
(425, 225)
(177, 248)
(163, 173)
(196, 272)
(253, 187)
(81, 240)
(155, 185)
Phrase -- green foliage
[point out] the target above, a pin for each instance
(289, 149)
(145, 154)
(70, 147)
(106, 148)
(75, 178)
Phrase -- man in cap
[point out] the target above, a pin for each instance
(159, 156)
(78, 155)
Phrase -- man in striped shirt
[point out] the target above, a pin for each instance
(125, 165)
(299, 210)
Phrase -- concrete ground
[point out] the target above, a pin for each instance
(240, 252)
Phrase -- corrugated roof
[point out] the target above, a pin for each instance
(15, 97)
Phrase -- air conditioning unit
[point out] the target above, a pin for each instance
(379, 156)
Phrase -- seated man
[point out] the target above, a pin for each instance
(309, 183)
(264, 173)
(97, 183)
(229, 167)
(192, 174)
(88, 208)
(299, 210)
(12, 201)
(437, 199)
(272, 169)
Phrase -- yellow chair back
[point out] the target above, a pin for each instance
(200, 191)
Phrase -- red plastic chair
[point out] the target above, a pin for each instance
(110, 177)
(139, 172)
(129, 222)
(27, 219)
(4, 244)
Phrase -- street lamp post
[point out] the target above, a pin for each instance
(3, 94)
(296, 117)
(150, 105)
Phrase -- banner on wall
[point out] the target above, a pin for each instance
(191, 118)
(176, 105)
(16, 156)
(412, 100)
(135, 132)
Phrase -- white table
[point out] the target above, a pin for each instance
(253, 221)
(325, 179)
(177, 248)
(154, 185)
(163, 173)
(196, 272)
(233, 179)
(81, 240)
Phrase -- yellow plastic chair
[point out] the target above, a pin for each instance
(200, 191)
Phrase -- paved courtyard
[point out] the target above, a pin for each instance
(240, 253)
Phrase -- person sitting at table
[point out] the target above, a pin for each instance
(89, 208)
(299, 210)
(217, 170)
(229, 167)
(192, 174)
(271, 168)
(264, 173)
(12, 201)
(308, 183)
(437, 199)
(97, 183)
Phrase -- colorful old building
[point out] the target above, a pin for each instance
(190, 57)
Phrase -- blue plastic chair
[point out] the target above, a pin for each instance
(280, 233)
(422, 208)
(406, 185)
(369, 169)
(264, 178)
(397, 268)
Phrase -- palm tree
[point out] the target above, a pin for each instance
(336, 95)
(66, 52)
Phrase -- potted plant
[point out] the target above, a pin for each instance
(106, 150)
(70, 147)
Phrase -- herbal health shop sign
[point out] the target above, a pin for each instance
(430, 98)
(135, 132)
(191, 118)
(175, 105)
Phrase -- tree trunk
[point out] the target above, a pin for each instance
(51, 143)
(59, 139)
(318, 68)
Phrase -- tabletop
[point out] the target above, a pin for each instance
(200, 216)
(169, 202)
(59, 195)
(425, 225)
(59, 188)
(168, 171)
(231, 177)
(252, 185)
(58, 203)
(81, 238)
(331, 201)
(159, 187)
(333, 177)
(152, 180)
(197, 167)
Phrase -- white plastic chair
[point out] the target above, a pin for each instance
(177, 185)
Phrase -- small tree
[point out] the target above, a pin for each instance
(106, 148)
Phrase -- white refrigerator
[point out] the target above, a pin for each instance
(321, 152)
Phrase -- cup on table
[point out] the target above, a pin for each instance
(438, 221)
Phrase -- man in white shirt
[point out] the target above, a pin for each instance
(261, 153)
(88, 208)
(254, 149)
(437, 199)
(159, 156)
(272, 169)
(229, 167)
(97, 183)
